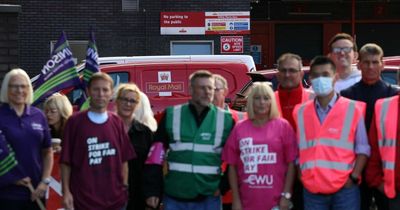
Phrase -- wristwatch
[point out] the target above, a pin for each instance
(354, 179)
(46, 181)
(286, 195)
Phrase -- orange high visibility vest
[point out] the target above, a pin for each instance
(326, 154)
(386, 111)
(306, 95)
(237, 115)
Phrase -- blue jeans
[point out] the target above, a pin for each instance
(210, 203)
(344, 199)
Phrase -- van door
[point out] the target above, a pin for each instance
(164, 84)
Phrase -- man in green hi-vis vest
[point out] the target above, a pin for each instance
(193, 135)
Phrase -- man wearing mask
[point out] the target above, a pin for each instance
(344, 54)
(332, 141)
(369, 89)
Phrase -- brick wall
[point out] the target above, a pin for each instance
(8, 39)
(117, 32)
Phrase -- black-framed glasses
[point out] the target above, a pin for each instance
(288, 70)
(342, 49)
(127, 100)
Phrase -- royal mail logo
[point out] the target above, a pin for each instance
(153, 87)
(164, 76)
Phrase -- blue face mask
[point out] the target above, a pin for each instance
(322, 86)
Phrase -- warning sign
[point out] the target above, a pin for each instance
(231, 44)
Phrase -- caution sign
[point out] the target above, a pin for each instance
(231, 44)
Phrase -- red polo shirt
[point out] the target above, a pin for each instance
(288, 100)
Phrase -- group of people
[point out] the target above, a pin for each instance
(331, 147)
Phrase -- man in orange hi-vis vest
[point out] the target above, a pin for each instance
(291, 92)
(333, 143)
(221, 91)
(383, 170)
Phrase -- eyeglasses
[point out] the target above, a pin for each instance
(16, 87)
(127, 100)
(342, 49)
(289, 70)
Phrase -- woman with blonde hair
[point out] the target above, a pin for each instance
(26, 131)
(133, 107)
(260, 152)
(57, 109)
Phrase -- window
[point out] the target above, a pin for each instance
(130, 5)
(192, 47)
(119, 77)
(78, 49)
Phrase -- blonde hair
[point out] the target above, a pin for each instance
(144, 114)
(61, 103)
(263, 89)
(4, 87)
(220, 78)
(128, 87)
(63, 106)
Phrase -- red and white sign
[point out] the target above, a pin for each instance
(182, 23)
(227, 22)
(190, 23)
(231, 44)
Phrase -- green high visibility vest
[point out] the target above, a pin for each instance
(194, 156)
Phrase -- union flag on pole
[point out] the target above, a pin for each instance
(58, 73)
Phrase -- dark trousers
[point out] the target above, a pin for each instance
(394, 204)
(18, 205)
(367, 193)
(297, 199)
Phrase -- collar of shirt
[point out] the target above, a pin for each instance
(27, 110)
(199, 118)
(323, 112)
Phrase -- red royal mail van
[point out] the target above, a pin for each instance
(166, 83)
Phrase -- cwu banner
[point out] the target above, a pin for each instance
(58, 73)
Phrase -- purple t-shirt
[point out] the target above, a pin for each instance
(27, 135)
(261, 155)
(95, 153)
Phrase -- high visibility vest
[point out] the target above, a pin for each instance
(327, 154)
(386, 112)
(194, 156)
(306, 96)
(237, 115)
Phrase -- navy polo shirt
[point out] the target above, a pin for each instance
(27, 134)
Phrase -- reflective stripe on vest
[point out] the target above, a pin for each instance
(387, 139)
(342, 143)
(189, 168)
(326, 164)
(180, 146)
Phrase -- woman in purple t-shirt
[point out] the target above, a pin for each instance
(26, 130)
(260, 152)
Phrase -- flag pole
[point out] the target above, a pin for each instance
(38, 201)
